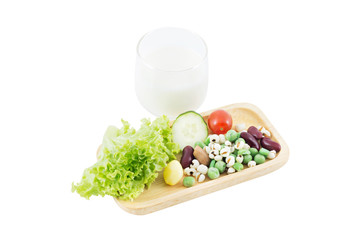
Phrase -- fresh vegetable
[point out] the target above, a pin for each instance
(129, 160)
(188, 128)
(189, 181)
(259, 159)
(213, 173)
(264, 152)
(207, 141)
(173, 172)
(247, 159)
(232, 135)
(238, 166)
(244, 152)
(230, 151)
(200, 144)
(220, 121)
(220, 165)
(253, 151)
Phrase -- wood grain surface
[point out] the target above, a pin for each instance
(161, 195)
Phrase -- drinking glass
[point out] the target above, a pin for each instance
(171, 74)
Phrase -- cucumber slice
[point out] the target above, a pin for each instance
(188, 128)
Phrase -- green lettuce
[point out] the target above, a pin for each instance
(129, 160)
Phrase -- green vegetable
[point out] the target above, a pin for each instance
(212, 163)
(129, 160)
(207, 141)
(259, 159)
(220, 165)
(235, 152)
(247, 159)
(238, 166)
(244, 152)
(231, 135)
(253, 151)
(240, 139)
(264, 152)
(238, 135)
(188, 181)
(200, 144)
(213, 173)
(188, 128)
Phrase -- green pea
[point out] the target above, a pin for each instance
(253, 151)
(240, 139)
(259, 159)
(188, 181)
(238, 166)
(243, 152)
(231, 135)
(264, 152)
(212, 163)
(213, 173)
(220, 165)
(235, 152)
(247, 159)
(207, 141)
(200, 144)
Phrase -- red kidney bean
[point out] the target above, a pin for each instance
(187, 156)
(255, 132)
(251, 140)
(270, 144)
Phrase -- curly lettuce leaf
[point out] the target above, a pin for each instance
(129, 160)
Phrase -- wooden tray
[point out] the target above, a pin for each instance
(160, 195)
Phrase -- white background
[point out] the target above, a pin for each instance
(67, 72)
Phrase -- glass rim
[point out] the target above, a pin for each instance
(181, 70)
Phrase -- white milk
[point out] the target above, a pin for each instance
(171, 81)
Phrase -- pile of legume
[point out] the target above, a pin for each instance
(228, 153)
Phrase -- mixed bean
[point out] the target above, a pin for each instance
(228, 153)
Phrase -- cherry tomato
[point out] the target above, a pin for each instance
(220, 122)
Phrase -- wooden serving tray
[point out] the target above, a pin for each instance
(161, 195)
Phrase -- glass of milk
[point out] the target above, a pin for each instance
(171, 71)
